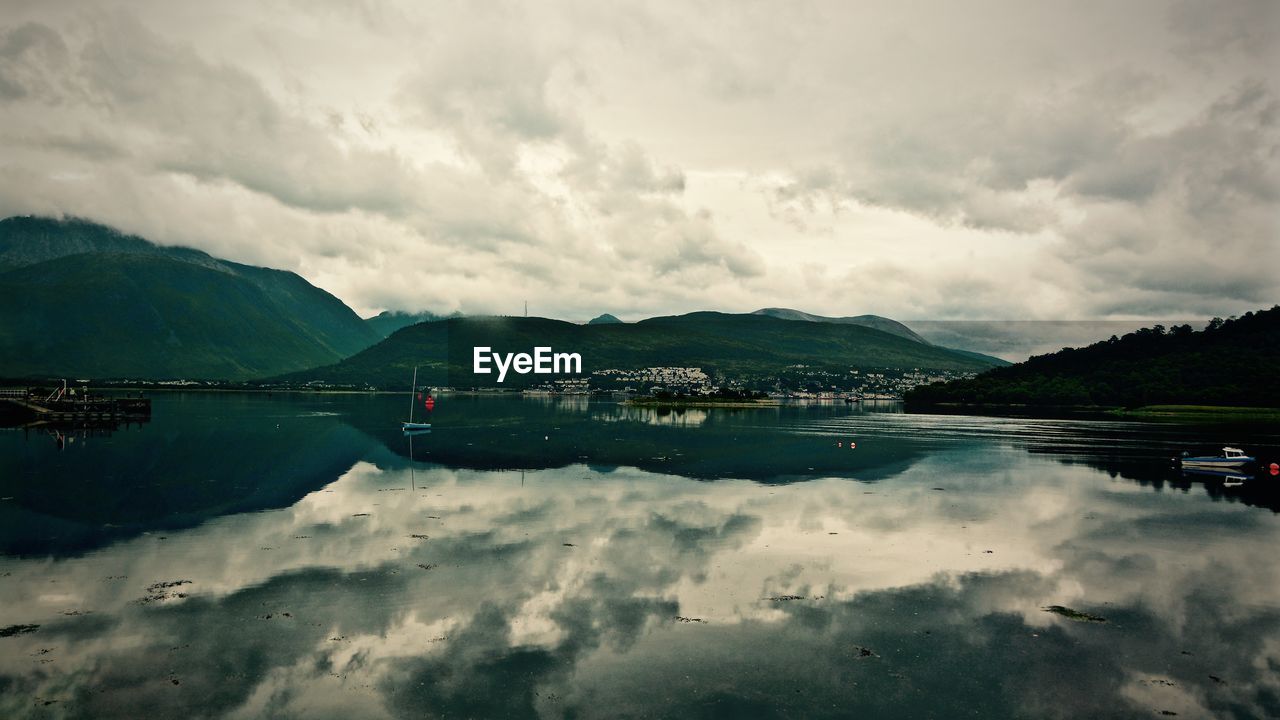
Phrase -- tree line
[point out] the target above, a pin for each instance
(1229, 362)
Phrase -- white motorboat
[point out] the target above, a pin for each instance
(1230, 458)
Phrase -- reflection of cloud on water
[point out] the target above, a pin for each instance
(561, 596)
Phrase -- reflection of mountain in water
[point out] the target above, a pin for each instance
(775, 444)
(679, 417)
(202, 456)
(207, 455)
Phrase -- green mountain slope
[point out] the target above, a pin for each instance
(1228, 363)
(82, 299)
(736, 345)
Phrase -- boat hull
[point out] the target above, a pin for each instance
(415, 426)
(1211, 463)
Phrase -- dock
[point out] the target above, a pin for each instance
(67, 404)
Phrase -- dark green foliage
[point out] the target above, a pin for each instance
(734, 345)
(1232, 362)
(80, 299)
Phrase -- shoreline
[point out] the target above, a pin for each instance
(1206, 413)
(1152, 413)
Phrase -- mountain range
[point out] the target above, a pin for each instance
(735, 346)
(82, 300)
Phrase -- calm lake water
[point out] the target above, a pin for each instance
(294, 556)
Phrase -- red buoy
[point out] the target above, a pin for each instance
(1275, 468)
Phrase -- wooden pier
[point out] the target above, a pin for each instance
(63, 404)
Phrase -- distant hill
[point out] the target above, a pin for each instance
(736, 345)
(887, 325)
(1228, 363)
(872, 321)
(81, 299)
(605, 319)
(389, 321)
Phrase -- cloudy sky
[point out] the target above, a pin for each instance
(917, 160)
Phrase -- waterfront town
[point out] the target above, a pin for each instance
(796, 382)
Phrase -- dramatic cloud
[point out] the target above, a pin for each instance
(1003, 160)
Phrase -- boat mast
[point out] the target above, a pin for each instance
(413, 390)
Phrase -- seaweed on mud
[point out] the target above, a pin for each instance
(165, 585)
(1072, 614)
(160, 591)
(18, 630)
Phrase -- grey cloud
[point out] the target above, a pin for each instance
(692, 246)
(31, 55)
(963, 162)
(90, 145)
(632, 171)
(1205, 30)
(489, 83)
(171, 111)
(1131, 175)
(1207, 227)
(168, 111)
(1178, 213)
(360, 143)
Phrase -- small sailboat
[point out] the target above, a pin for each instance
(410, 426)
